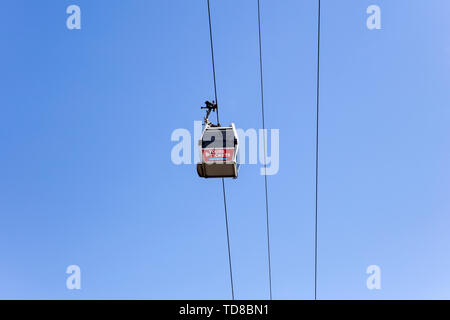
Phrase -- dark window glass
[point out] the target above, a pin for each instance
(218, 138)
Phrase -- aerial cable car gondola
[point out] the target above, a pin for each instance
(218, 148)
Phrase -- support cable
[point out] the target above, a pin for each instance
(264, 144)
(223, 182)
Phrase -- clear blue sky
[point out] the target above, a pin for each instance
(85, 171)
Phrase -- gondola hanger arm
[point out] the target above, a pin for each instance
(210, 106)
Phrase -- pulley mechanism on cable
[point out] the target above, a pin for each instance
(218, 148)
